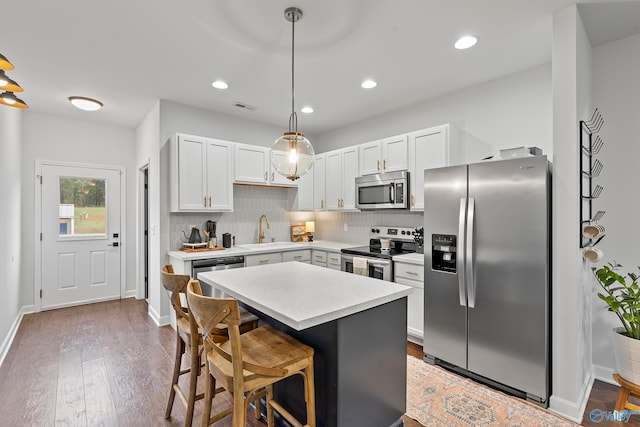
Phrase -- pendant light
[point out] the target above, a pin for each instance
(292, 154)
(9, 99)
(8, 84)
(5, 64)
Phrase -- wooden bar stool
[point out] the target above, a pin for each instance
(248, 365)
(188, 337)
(627, 389)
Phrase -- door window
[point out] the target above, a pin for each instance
(83, 208)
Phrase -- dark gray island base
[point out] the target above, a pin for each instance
(360, 364)
(357, 326)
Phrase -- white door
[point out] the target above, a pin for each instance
(80, 235)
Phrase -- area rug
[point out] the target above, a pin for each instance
(436, 397)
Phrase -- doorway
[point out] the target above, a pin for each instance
(79, 218)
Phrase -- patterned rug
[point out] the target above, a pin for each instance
(436, 397)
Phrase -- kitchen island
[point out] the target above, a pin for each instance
(357, 326)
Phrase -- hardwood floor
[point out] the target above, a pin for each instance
(108, 364)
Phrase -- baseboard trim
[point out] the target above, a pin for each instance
(130, 294)
(573, 411)
(159, 320)
(8, 340)
(604, 374)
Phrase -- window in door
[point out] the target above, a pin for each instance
(83, 208)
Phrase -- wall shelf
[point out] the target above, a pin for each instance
(590, 168)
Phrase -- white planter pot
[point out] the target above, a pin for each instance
(627, 352)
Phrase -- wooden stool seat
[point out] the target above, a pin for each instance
(248, 365)
(627, 388)
(189, 338)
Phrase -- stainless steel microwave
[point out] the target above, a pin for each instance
(383, 191)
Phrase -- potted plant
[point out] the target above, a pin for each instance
(622, 295)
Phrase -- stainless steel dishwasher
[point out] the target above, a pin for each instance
(213, 264)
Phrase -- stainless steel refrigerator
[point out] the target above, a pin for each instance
(487, 273)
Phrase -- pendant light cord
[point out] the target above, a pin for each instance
(293, 119)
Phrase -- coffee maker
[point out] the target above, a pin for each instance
(211, 231)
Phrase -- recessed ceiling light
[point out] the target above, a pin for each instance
(219, 84)
(87, 104)
(369, 84)
(307, 110)
(466, 42)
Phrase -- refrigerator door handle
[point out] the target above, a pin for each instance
(469, 254)
(460, 260)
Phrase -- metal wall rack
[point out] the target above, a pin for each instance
(590, 168)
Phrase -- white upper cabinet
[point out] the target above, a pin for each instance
(201, 178)
(430, 148)
(305, 190)
(341, 172)
(385, 155)
(253, 166)
(319, 183)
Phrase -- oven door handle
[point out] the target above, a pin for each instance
(392, 193)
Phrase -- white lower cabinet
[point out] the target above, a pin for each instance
(319, 258)
(262, 259)
(300, 256)
(333, 261)
(412, 275)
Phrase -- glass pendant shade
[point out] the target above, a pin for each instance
(292, 155)
(9, 99)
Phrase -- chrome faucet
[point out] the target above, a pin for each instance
(261, 235)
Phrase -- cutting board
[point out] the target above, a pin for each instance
(190, 250)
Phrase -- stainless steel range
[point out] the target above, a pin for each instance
(375, 260)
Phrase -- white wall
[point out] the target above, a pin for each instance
(616, 89)
(57, 138)
(10, 217)
(571, 324)
(511, 111)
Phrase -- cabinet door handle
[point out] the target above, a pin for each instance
(384, 164)
(413, 201)
(333, 259)
(266, 176)
(318, 256)
(264, 261)
(297, 257)
(204, 201)
(273, 176)
(321, 204)
(378, 166)
(413, 273)
(209, 201)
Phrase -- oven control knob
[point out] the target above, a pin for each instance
(373, 230)
(377, 230)
(403, 232)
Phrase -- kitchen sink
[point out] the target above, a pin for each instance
(267, 245)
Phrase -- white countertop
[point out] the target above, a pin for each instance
(264, 248)
(302, 295)
(417, 259)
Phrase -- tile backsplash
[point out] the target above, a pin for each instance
(249, 202)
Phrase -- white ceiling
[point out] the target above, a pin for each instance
(129, 53)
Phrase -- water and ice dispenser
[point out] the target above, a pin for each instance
(443, 252)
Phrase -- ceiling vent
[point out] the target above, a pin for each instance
(245, 106)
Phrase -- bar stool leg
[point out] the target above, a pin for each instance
(180, 349)
(193, 382)
(310, 394)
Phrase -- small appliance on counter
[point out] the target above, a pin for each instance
(226, 240)
(211, 232)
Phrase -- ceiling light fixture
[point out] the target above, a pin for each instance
(9, 99)
(369, 84)
(87, 104)
(5, 64)
(219, 84)
(7, 84)
(306, 110)
(466, 42)
(292, 154)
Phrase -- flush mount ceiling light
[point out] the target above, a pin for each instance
(292, 153)
(9, 99)
(5, 64)
(7, 84)
(307, 110)
(87, 104)
(369, 84)
(466, 42)
(219, 84)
